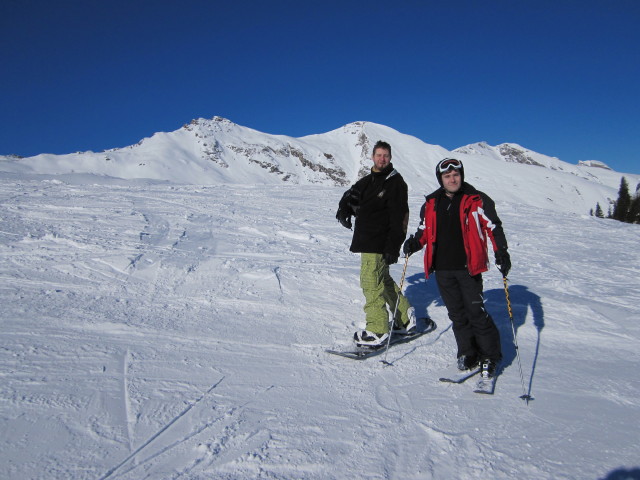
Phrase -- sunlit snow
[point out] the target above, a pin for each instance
(170, 330)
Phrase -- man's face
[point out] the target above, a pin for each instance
(451, 181)
(381, 159)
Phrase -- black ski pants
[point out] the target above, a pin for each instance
(475, 332)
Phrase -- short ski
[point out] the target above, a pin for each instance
(459, 376)
(362, 353)
(485, 385)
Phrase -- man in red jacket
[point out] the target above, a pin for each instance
(457, 221)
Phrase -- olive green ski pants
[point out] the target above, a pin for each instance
(380, 291)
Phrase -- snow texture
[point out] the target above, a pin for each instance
(155, 330)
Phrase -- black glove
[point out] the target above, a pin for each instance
(411, 246)
(344, 217)
(350, 201)
(503, 261)
(390, 258)
(348, 206)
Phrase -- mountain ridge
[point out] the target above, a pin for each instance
(219, 151)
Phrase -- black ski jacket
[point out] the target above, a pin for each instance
(382, 214)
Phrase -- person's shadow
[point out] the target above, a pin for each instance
(522, 301)
(422, 293)
(624, 474)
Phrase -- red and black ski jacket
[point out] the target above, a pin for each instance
(479, 222)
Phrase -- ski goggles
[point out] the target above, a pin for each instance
(449, 163)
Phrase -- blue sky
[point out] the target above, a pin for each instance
(559, 77)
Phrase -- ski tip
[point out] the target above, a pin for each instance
(485, 391)
(429, 325)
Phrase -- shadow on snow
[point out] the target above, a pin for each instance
(523, 301)
(422, 294)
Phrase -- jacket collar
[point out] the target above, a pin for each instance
(466, 189)
(387, 172)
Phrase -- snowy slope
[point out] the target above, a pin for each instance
(165, 331)
(217, 151)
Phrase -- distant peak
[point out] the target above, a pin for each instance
(512, 152)
(594, 164)
(473, 148)
(222, 120)
(207, 121)
(210, 126)
(354, 127)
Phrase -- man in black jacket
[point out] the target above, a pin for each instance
(379, 203)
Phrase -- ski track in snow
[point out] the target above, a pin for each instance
(178, 332)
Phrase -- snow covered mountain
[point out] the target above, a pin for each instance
(218, 151)
(176, 327)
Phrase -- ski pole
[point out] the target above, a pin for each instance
(395, 310)
(524, 396)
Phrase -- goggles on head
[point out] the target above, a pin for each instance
(449, 163)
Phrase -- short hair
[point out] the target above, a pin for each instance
(383, 145)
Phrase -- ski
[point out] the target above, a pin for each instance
(485, 385)
(362, 353)
(459, 376)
